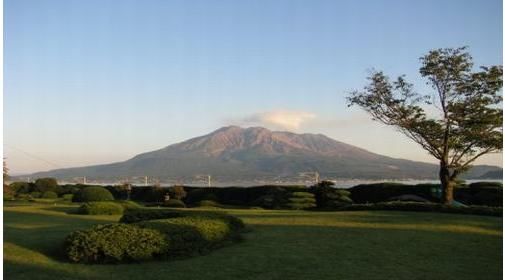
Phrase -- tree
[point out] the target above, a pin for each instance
(458, 123)
(47, 184)
(178, 192)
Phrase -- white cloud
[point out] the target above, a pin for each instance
(278, 119)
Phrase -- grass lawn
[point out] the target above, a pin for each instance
(282, 245)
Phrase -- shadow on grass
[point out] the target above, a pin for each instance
(28, 271)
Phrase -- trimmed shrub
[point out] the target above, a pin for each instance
(174, 203)
(89, 194)
(67, 196)
(114, 243)
(426, 207)
(35, 194)
(209, 203)
(22, 187)
(47, 184)
(49, 194)
(190, 235)
(478, 185)
(301, 200)
(128, 204)
(177, 192)
(23, 196)
(100, 208)
(143, 214)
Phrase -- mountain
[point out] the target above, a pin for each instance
(234, 153)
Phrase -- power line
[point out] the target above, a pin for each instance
(33, 156)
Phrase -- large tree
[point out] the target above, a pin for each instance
(461, 119)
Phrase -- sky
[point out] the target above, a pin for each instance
(99, 81)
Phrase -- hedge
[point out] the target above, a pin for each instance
(101, 208)
(192, 235)
(114, 243)
(180, 234)
(426, 207)
(174, 203)
(49, 194)
(128, 204)
(89, 194)
(144, 214)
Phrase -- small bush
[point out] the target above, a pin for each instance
(49, 194)
(142, 214)
(478, 185)
(128, 204)
(90, 194)
(23, 196)
(35, 194)
(426, 207)
(101, 208)
(114, 243)
(174, 203)
(67, 196)
(209, 203)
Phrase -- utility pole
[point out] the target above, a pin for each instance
(145, 181)
(208, 180)
(84, 180)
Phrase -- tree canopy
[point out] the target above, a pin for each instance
(457, 123)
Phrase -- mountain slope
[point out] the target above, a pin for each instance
(234, 153)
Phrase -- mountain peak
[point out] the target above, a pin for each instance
(236, 153)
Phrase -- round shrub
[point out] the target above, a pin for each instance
(89, 194)
(209, 203)
(128, 204)
(36, 194)
(114, 243)
(49, 194)
(174, 203)
(193, 234)
(100, 208)
(67, 196)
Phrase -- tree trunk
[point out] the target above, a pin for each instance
(447, 184)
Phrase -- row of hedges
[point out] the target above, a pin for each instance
(426, 207)
(146, 234)
(107, 208)
(479, 193)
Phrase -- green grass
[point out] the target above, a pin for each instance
(281, 245)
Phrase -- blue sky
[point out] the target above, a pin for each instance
(98, 81)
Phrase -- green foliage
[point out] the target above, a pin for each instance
(301, 200)
(67, 196)
(194, 234)
(49, 194)
(174, 203)
(35, 194)
(426, 207)
(143, 214)
(47, 184)
(471, 121)
(478, 185)
(328, 197)
(23, 196)
(128, 204)
(89, 194)
(114, 243)
(101, 208)
(209, 203)
(22, 187)
(177, 192)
